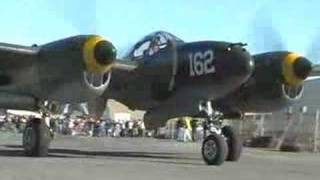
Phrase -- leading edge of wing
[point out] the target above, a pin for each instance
(311, 78)
(124, 65)
(315, 73)
(18, 49)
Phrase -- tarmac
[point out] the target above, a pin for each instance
(88, 158)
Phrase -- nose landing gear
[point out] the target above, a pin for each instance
(220, 143)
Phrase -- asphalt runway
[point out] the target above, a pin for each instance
(87, 158)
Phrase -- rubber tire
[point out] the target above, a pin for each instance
(42, 138)
(222, 150)
(234, 143)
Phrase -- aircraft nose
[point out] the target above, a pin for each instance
(241, 63)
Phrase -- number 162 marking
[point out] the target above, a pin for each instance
(201, 63)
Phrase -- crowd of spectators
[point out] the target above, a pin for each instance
(184, 130)
(99, 128)
(81, 125)
(12, 123)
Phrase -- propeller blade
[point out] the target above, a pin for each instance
(313, 52)
(82, 16)
(264, 36)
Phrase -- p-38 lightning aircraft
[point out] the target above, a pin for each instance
(169, 78)
(162, 75)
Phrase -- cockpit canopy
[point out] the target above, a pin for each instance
(151, 43)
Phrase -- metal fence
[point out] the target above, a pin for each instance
(295, 126)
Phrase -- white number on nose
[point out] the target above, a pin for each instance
(201, 63)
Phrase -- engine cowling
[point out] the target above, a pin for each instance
(295, 69)
(292, 92)
(95, 53)
(75, 68)
(98, 54)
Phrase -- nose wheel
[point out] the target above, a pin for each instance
(214, 149)
(220, 143)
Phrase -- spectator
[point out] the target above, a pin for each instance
(141, 128)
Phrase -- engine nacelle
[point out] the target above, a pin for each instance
(96, 54)
(75, 68)
(276, 83)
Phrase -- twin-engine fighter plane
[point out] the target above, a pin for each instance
(170, 78)
(162, 75)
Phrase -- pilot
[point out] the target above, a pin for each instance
(154, 46)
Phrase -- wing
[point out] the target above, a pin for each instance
(315, 73)
(122, 74)
(311, 78)
(124, 66)
(16, 56)
(16, 64)
(12, 50)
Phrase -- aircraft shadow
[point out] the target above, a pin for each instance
(158, 157)
(20, 153)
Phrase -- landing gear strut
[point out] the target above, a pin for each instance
(37, 135)
(220, 143)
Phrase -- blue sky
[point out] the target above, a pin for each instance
(123, 22)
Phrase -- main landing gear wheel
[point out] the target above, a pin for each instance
(214, 149)
(36, 138)
(220, 143)
(234, 143)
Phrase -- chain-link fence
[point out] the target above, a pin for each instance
(294, 128)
